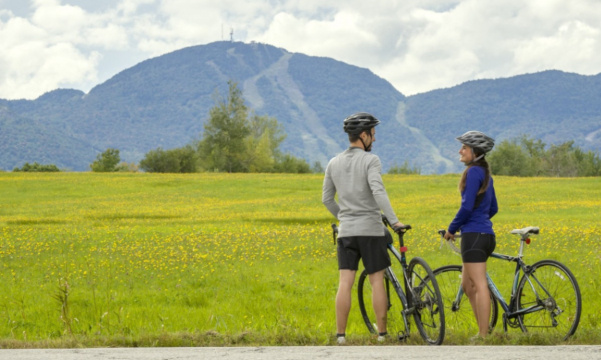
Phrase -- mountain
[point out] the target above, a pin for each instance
(552, 106)
(164, 102)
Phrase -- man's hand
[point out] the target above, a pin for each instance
(397, 226)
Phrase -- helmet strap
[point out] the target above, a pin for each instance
(473, 155)
(366, 148)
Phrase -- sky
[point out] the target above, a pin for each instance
(416, 45)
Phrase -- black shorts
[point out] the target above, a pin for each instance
(372, 249)
(477, 247)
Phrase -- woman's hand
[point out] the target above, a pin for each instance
(449, 236)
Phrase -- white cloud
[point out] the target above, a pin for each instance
(342, 35)
(418, 45)
(35, 68)
(55, 18)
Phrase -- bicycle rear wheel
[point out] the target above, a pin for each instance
(459, 315)
(425, 296)
(396, 322)
(552, 285)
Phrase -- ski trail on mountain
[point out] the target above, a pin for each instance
(430, 147)
(590, 137)
(314, 131)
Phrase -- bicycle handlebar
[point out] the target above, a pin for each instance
(401, 230)
(450, 242)
(524, 235)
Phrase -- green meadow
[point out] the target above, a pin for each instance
(91, 259)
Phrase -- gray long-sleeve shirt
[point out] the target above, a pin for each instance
(356, 175)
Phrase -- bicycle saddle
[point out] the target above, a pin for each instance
(527, 230)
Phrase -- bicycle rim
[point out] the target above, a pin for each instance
(425, 296)
(552, 286)
(395, 318)
(459, 317)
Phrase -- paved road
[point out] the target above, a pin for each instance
(315, 352)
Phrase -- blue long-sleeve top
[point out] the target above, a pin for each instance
(469, 219)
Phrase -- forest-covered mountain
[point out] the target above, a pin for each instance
(164, 102)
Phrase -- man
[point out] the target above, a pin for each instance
(355, 175)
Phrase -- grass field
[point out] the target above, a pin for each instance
(91, 259)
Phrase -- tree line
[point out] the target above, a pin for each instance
(235, 139)
(525, 156)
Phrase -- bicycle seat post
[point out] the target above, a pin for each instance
(402, 247)
(522, 242)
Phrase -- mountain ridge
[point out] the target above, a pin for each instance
(164, 102)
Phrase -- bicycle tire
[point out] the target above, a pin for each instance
(426, 298)
(396, 321)
(562, 300)
(459, 318)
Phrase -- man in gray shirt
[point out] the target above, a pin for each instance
(355, 175)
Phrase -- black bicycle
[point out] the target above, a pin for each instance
(415, 295)
(545, 296)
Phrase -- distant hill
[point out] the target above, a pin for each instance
(164, 102)
(552, 106)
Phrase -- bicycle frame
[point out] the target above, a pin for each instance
(405, 300)
(510, 309)
(400, 255)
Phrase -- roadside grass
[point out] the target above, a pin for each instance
(93, 259)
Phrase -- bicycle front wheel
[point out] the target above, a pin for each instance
(396, 322)
(458, 312)
(424, 296)
(552, 288)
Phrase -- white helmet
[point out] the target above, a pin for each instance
(477, 140)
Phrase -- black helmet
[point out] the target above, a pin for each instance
(359, 122)
(477, 140)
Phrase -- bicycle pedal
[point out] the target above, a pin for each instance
(403, 337)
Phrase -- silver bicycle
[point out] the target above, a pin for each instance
(545, 296)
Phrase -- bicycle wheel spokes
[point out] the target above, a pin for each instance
(424, 296)
(553, 289)
(459, 317)
(395, 319)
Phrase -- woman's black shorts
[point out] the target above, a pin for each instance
(477, 247)
(372, 249)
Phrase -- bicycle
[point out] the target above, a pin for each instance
(420, 297)
(545, 296)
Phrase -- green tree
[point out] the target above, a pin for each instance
(291, 164)
(560, 160)
(223, 147)
(404, 169)
(263, 143)
(511, 158)
(528, 157)
(589, 163)
(238, 140)
(107, 161)
(317, 168)
(35, 167)
(178, 160)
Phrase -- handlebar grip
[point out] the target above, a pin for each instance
(403, 228)
(334, 232)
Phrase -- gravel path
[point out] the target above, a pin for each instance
(314, 352)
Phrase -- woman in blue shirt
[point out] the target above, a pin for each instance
(478, 206)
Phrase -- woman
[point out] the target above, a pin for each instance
(478, 206)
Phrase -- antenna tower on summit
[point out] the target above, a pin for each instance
(232, 34)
